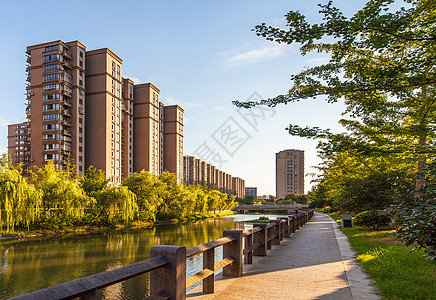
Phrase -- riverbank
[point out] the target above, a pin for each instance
(21, 234)
(398, 273)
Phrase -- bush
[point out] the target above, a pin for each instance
(372, 218)
(327, 210)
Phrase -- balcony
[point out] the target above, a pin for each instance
(66, 93)
(66, 103)
(29, 59)
(66, 152)
(66, 64)
(66, 112)
(28, 78)
(67, 55)
(67, 132)
(66, 123)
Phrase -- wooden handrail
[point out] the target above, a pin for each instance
(207, 246)
(167, 266)
(85, 285)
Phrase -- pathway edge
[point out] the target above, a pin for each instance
(362, 287)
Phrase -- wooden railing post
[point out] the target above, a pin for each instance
(297, 221)
(269, 234)
(170, 279)
(209, 263)
(248, 258)
(286, 227)
(275, 232)
(235, 251)
(262, 238)
(292, 222)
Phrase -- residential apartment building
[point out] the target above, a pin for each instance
(81, 110)
(56, 103)
(251, 192)
(289, 172)
(18, 144)
(173, 140)
(197, 171)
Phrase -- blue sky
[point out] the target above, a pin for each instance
(200, 54)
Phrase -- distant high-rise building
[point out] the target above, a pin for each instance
(173, 140)
(251, 192)
(81, 110)
(289, 172)
(18, 144)
(197, 171)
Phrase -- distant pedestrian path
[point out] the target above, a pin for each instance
(314, 263)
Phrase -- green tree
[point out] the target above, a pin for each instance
(148, 190)
(116, 203)
(61, 192)
(20, 201)
(382, 64)
(93, 180)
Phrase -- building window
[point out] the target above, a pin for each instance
(80, 53)
(51, 48)
(80, 158)
(51, 77)
(80, 149)
(80, 129)
(80, 168)
(52, 57)
(80, 82)
(80, 120)
(50, 87)
(81, 64)
(50, 117)
(49, 68)
(80, 139)
(80, 101)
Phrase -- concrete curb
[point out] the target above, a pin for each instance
(362, 287)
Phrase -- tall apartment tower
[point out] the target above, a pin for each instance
(104, 106)
(289, 172)
(56, 102)
(18, 144)
(147, 133)
(173, 140)
(81, 110)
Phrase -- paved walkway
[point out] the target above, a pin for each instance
(315, 263)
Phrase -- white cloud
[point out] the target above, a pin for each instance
(220, 108)
(280, 21)
(255, 56)
(318, 61)
(184, 105)
(135, 80)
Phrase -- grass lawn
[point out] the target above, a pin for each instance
(398, 273)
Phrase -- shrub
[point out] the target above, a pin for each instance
(327, 209)
(372, 218)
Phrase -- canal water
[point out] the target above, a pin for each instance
(34, 264)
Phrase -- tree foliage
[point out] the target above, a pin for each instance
(381, 63)
(52, 198)
(20, 201)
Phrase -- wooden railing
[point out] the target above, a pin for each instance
(167, 265)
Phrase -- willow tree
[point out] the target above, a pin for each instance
(61, 192)
(19, 200)
(382, 63)
(116, 203)
(147, 188)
